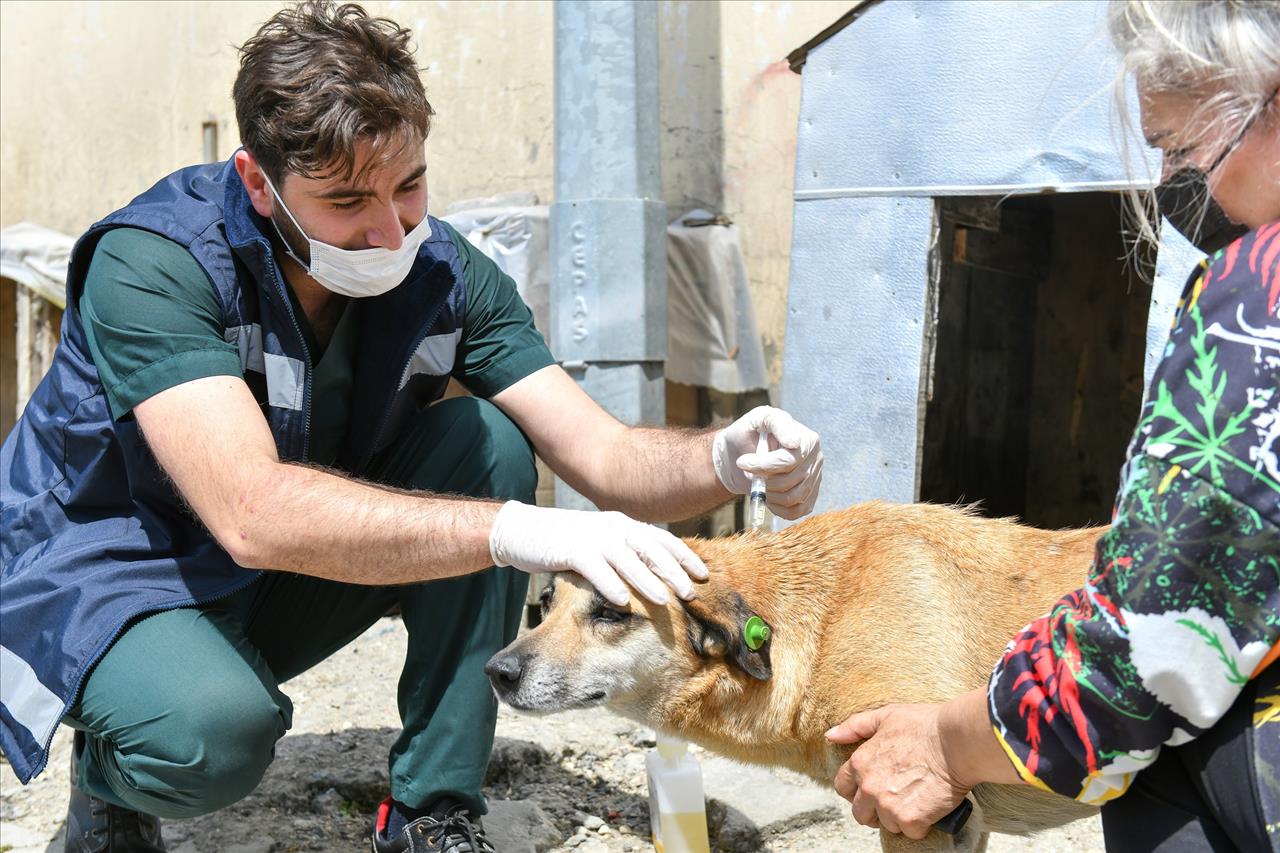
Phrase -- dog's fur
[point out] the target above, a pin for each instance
(875, 604)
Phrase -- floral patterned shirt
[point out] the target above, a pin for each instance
(1182, 604)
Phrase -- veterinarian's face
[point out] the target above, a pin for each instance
(585, 652)
(373, 208)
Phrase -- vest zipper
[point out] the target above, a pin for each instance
(404, 376)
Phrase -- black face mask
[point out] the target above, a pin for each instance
(1185, 201)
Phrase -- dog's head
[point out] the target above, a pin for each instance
(588, 652)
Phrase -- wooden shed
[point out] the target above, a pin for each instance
(965, 318)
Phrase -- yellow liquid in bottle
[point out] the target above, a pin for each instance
(682, 832)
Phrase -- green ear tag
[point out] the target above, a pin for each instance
(755, 633)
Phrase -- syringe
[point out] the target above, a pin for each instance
(756, 510)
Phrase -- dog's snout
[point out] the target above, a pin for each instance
(504, 670)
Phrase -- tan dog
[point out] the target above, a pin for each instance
(875, 604)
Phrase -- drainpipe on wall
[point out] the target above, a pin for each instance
(608, 223)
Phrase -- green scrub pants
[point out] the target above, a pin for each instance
(183, 712)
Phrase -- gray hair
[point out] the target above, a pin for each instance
(1223, 54)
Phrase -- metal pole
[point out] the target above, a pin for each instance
(608, 223)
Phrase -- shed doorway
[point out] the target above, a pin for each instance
(1036, 372)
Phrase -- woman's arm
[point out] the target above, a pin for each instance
(1181, 608)
(1183, 600)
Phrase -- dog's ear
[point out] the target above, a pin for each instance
(715, 625)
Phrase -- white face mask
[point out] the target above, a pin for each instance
(356, 272)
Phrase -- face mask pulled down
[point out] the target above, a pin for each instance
(355, 272)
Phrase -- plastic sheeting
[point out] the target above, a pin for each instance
(515, 233)
(36, 257)
(712, 337)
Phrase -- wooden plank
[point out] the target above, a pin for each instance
(976, 417)
(36, 336)
(8, 355)
(1087, 383)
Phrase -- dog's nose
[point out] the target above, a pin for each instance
(504, 671)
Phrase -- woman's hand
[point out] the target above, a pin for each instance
(898, 778)
(916, 762)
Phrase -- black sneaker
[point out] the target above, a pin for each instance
(95, 826)
(452, 829)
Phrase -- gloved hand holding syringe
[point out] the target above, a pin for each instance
(791, 471)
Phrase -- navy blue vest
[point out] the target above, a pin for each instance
(91, 532)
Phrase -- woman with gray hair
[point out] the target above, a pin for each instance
(1154, 691)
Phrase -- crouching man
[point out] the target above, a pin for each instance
(240, 460)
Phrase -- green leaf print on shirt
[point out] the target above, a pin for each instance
(1206, 446)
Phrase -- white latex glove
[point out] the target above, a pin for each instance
(792, 468)
(604, 547)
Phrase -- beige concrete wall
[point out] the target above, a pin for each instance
(99, 99)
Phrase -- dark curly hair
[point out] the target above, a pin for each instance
(316, 79)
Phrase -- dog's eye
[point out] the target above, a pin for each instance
(609, 615)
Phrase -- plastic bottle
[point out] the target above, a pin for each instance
(677, 810)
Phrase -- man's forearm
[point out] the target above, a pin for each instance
(656, 474)
(314, 522)
(652, 474)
